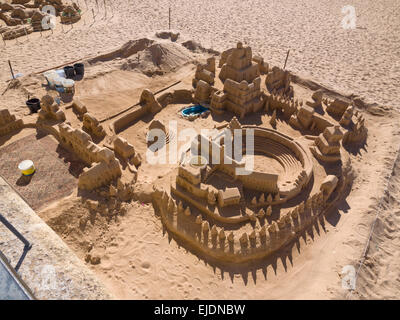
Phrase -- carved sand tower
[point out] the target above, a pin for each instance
(327, 145)
(242, 84)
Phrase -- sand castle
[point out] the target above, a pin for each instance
(242, 84)
(253, 198)
(23, 17)
(9, 123)
(210, 201)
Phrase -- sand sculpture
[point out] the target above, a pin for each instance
(79, 107)
(127, 151)
(278, 81)
(262, 65)
(215, 205)
(23, 17)
(104, 166)
(9, 123)
(242, 84)
(147, 105)
(205, 210)
(328, 144)
(92, 126)
(205, 72)
(50, 109)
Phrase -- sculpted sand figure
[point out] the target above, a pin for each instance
(278, 81)
(50, 109)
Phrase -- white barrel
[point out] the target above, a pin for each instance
(50, 76)
(69, 85)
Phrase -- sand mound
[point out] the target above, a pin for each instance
(146, 53)
(128, 49)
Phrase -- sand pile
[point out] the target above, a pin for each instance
(150, 55)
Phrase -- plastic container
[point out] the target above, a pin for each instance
(59, 85)
(69, 86)
(33, 105)
(79, 69)
(50, 75)
(61, 73)
(27, 167)
(69, 72)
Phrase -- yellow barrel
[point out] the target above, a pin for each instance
(26, 167)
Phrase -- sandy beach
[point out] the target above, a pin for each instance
(139, 261)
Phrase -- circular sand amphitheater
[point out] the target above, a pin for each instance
(294, 162)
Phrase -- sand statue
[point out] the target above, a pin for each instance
(50, 109)
(8, 122)
(239, 65)
(92, 126)
(100, 173)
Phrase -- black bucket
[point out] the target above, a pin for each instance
(79, 69)
(69, 72)
(33, 105)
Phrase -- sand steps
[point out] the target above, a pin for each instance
(291, 164)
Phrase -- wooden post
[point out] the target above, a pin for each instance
(11, 69)
(93, 14)
(105, 10)
(169, 18)
(287, 56)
